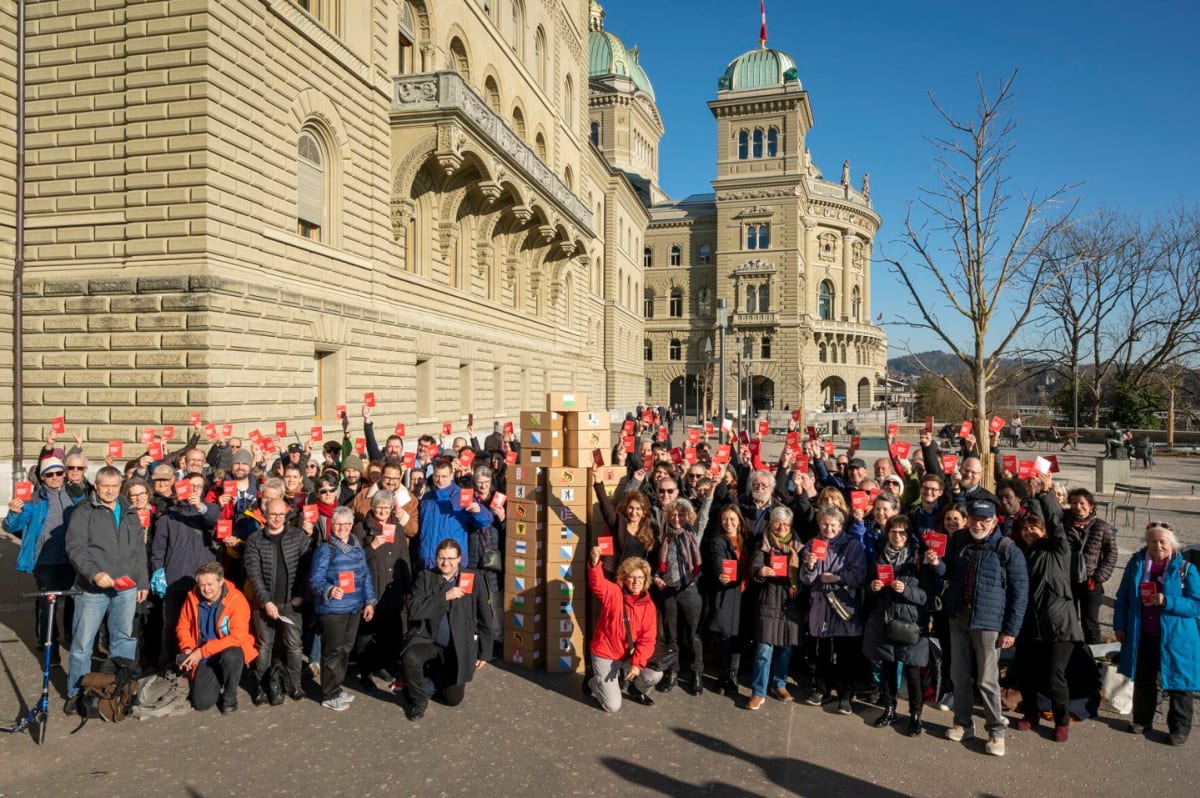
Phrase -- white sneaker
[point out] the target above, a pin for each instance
(337, 704)
(956, 733)
(947, 703)
(994, 746)
(347, 697)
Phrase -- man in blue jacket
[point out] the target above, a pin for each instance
(41, 524)
(985, 601)
(443, 516)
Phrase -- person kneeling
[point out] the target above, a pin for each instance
(626, 634)
(451, 631)
(215, 644)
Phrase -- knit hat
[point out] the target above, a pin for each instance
(243, 457)
(353, 461)
(49, 463)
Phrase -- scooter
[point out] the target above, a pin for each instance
(38, 715)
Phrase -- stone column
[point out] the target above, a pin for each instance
(866, 283)
(847, 276)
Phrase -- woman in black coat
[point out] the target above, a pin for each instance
(725, 592)
(902, 598)
(777, 624)
(1051, 628)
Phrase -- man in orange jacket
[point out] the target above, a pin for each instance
(215, 643)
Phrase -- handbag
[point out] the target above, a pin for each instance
(903, 633)
(491, 561)
(842, 602)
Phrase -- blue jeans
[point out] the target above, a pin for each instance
(770, 666)
(89, 613)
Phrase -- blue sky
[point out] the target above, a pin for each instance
(1104, 97)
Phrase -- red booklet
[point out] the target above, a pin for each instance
(311, 514)
(689, 455)
(676, 456)
(856, 442)
(893, 430)
(510, 458)
(316, 434)
(1147, 590)
(1025, 469)
(996, 424)
(281, 429)
(124, 583)
(229, 487)
(183, 490)
(902, 448)
(662, 434)
(465, 497)
(627, 427)
(168, 433)
(346, 581)
(764, 428)
(210, 432)
(605, 542)
(23, 491)
(399, 428)
(779, 564)
(116, 448)
(447, 427)
(936, 542)
(949, 463)
(147, 434)
(820, 548)
(466, 581)
(812, 433)
(709, 429)
(387, 532)
(965, 429)
(155, 450)
(58, 424)
(226, 430)
(1009, 462)
(858, 500)
(796, 414)
(729, 568)
(598, 458)
(498, 501)
(693, 436)
(466, 457)
(885, 574)
(929, 424)
(193, 418)
(339, 412)
(144, 517)
(829, 448)
(224, 528)
(369, 398)
(802, 463)
(410, 459)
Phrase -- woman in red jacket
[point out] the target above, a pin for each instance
(625, 636)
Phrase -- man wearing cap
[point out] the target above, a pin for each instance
(985, 602)
(107, 547)
(41, 524)
(162, 495)
(856, 472)
(352, 481)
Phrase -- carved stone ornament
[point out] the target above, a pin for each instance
(415, 90)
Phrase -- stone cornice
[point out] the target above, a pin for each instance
(316, 33)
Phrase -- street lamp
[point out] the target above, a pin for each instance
(722, 320)
(708, 361)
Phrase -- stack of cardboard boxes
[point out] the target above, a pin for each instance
(550, 501)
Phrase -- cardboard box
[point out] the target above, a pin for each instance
(559, 590)
(575, 496)
(563, 626)
(523, 658)
(543, 457)
(526, 493)
(589, 439)
(523, 475)
(567, 477)
(565, 654)
(565, 552)
(527, 583)
(528, 602)
(564, 608)
(529, 531)
(523, 566)
(565, 402)
(523, 621)
(558, 532)
(523, 546)
(576, 420)
(571, 515)
(541, 439)
(574, 571)
(541, 419)
(525, 511)
(528, 639)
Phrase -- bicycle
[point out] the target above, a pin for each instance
(1028, 438)
(38, 715)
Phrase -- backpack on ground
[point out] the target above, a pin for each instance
(159, 696)
(275, 684)
(108, 695)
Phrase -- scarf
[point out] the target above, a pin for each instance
(689, 552)
(895, 557)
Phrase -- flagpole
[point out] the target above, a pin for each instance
(762, 31)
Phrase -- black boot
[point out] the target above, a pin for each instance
(887, 718)
(729, 685)
(697, 685)
(914, 725)
(638, 697)
(668, 682)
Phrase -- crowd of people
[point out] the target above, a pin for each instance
(235, 565)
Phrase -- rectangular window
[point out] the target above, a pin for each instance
(497, 391)
(326, 378)
(308, 230)
(466, 392)
(426, 385)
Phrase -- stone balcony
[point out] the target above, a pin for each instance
(755, 319)
(464, 123)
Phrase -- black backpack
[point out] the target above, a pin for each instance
(275, 684)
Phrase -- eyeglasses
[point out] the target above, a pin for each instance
(455, 558)
(637, 578)
(325, 491)
(77, 468)
(235, 446)
(277, 515)
(668, 491)
(141, 494)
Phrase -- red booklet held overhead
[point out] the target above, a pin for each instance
(820, 548)
(605, 543)
(729, 568)
(281, 429)
(346, 581)
(885, 574)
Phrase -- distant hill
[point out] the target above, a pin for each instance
(939, 362)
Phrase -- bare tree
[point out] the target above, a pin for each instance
(980, 245)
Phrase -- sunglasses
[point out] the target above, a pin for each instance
(53, 474)
(1158, 525)
(325, 491)
(77, 468)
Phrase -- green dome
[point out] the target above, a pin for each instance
(607, 56)
(758, 69)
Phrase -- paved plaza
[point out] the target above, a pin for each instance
(524, 734)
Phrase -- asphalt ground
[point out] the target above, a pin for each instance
(534, 734)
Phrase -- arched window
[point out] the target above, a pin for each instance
(648, 303)
(676, 255)
(764, 298)
(843, 354)
(704, 298)
(705, 254)
(747, 347)
(676, 303)
(758, 142)
(751, 299)
(822, 353)
(310, 187)
(647, 350)
(492, 92)
(751, 236)
(568, 109)
(765, 349)
(647, 257)
(405, 37)
(517, 27)
(833, 353)
(539, 144)
(596, 133)
(518, 118)
(825, 301)
(569, 178)
(539, 56)
(855, 304)
(743, 145)
(676, 351)
(772, 142)
(458, 58)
